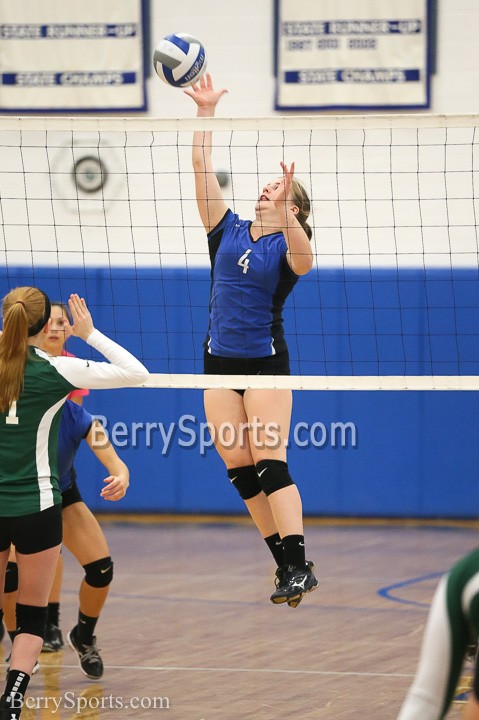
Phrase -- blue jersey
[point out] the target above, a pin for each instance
(250, 281)
(75, 425)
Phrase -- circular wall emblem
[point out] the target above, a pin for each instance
(89, 174)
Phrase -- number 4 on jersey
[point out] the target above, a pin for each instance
(244, 261)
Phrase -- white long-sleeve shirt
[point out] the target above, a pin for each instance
(123, 370)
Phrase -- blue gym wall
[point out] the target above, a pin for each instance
(414, 454)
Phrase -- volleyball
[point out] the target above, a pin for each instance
(179, 59)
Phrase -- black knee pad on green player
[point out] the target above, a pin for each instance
(31, 619)
(246, 481)
(11, 577)
(273, 475)
(99, 573)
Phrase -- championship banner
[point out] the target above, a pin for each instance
(345, 54)
(58, 56)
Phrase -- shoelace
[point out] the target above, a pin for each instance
(90, 653)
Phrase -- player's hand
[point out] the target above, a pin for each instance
(204, 95)
(82, 320)
(282, 192)
(115, 488)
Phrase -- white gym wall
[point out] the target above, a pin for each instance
(239, 42)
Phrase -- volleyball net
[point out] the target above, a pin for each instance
(106, 207)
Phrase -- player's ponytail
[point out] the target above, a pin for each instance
(302, 201)
(26, 311)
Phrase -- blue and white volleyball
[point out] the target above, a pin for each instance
(179, 59)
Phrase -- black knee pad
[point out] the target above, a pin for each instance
(31, 619)
(245, 481)
(11, 577)
(99, 574)
(273, 475)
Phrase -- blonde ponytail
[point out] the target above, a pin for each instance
(24, 313)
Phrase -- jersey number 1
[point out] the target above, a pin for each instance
(244, 261)
(12, 418)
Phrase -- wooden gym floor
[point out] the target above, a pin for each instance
(188, 626)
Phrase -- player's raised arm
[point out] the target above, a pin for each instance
(209, 197)
(288, 199)
(123, 369)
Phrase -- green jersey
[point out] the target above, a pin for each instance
(29, 439)
(29, 429)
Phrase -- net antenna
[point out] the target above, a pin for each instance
(106, 207)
